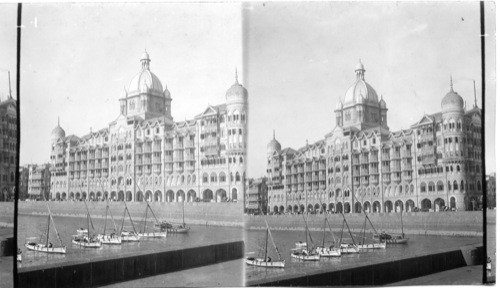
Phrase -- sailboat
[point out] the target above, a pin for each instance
(154, 234)
(113, 238)
(389, 239)
(305, 253)
(87, 241)
(128, 236)
(347, 248)
(47, 247)
(366, 246)
(330, 251)
(267, 261)
(171, 228)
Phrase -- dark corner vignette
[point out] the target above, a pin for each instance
(18, 130)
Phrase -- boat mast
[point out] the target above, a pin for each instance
(129, 217)
(272, 240)
(48, 229)
(265, 253)
(349, 230)
(402, 233)
(371, 224)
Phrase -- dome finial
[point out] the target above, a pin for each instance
(451, 83)
(274, 134)
(145, 60)
(236, 74)
(58, 121)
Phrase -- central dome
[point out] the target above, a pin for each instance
(452, 102)
(360, 92)
(145, 81)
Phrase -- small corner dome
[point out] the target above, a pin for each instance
(273, 146)
(382, 103)
(338, 106)
(58, 133)
(166, 93)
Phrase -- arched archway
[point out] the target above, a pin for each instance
(158, 196)
(399, 206)
(234, 194)
(438, 204)
(91, 196)
(295, 208)
(99, 196)
(357, 207)
(275, 209)
(220, 195)
(58, 196)
(113, 195)
(71, 196)
(191, 196)
(331, 207)
(282, 209)
(148, 196)
(302, 208)
(180, 196)
(63, 197)
(410, 205)
(317, 208)
(77, 196)
(388, 206)
(453, 203)
(139, 196)
(347, 207)
(84, 196)
(170, 196)
(310, 208)
(289, 208)
(339, 208)
(367, 207)
(377, 207)
(129, 196)
(121, 196)
(208, 195)
(425, 204)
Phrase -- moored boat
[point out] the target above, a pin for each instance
(85, 241)
(128, 236)
(33, 246)
(265, 263)
(111, 239)
(331, 251)
(82, 231)
(153, 234)
(349, 248)
(388, 239)
(305, 255)
(372, 246)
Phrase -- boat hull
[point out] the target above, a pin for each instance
(109, 240)
(304, 257)
(153, 235)
(392, 240)
(328, 252)
(348, 249)
(44, 249)
(267, 264)
(130, 237)
(373, 246)
(178, 230)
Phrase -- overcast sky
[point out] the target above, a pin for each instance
(301, 59)
(76, 60)
(8, 49)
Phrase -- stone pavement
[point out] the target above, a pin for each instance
(225, 274)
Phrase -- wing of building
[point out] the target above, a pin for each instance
(362, 165)
(144, 153)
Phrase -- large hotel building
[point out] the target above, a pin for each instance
(362, 165)
(145, 154)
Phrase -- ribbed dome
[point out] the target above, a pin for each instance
(236, 91)
(273, 146)
(360, 91)
(58, 133)
(145, 81)
(452, 102)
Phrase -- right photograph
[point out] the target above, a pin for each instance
(371, 154)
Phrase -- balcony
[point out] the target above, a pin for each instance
(395, 156)
(386, 178)
(364, 172)
(169, 146)
(373, 171)
(169, 169)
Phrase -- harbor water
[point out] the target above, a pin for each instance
(285, 240)
(36, 226)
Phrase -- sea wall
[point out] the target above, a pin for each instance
(381, 273)
(220, 214)
(422, 223)
(105, 271)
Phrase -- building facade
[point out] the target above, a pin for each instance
(144, 153)
(8, 148)
(362, 165)
(256, 197)
(39, 182)
(23, 182)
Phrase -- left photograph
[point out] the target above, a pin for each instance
(8, 139)
(133, 152)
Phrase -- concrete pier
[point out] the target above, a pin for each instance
(126, 267)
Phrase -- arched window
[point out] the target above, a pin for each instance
(237, 177)
(455, 185)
